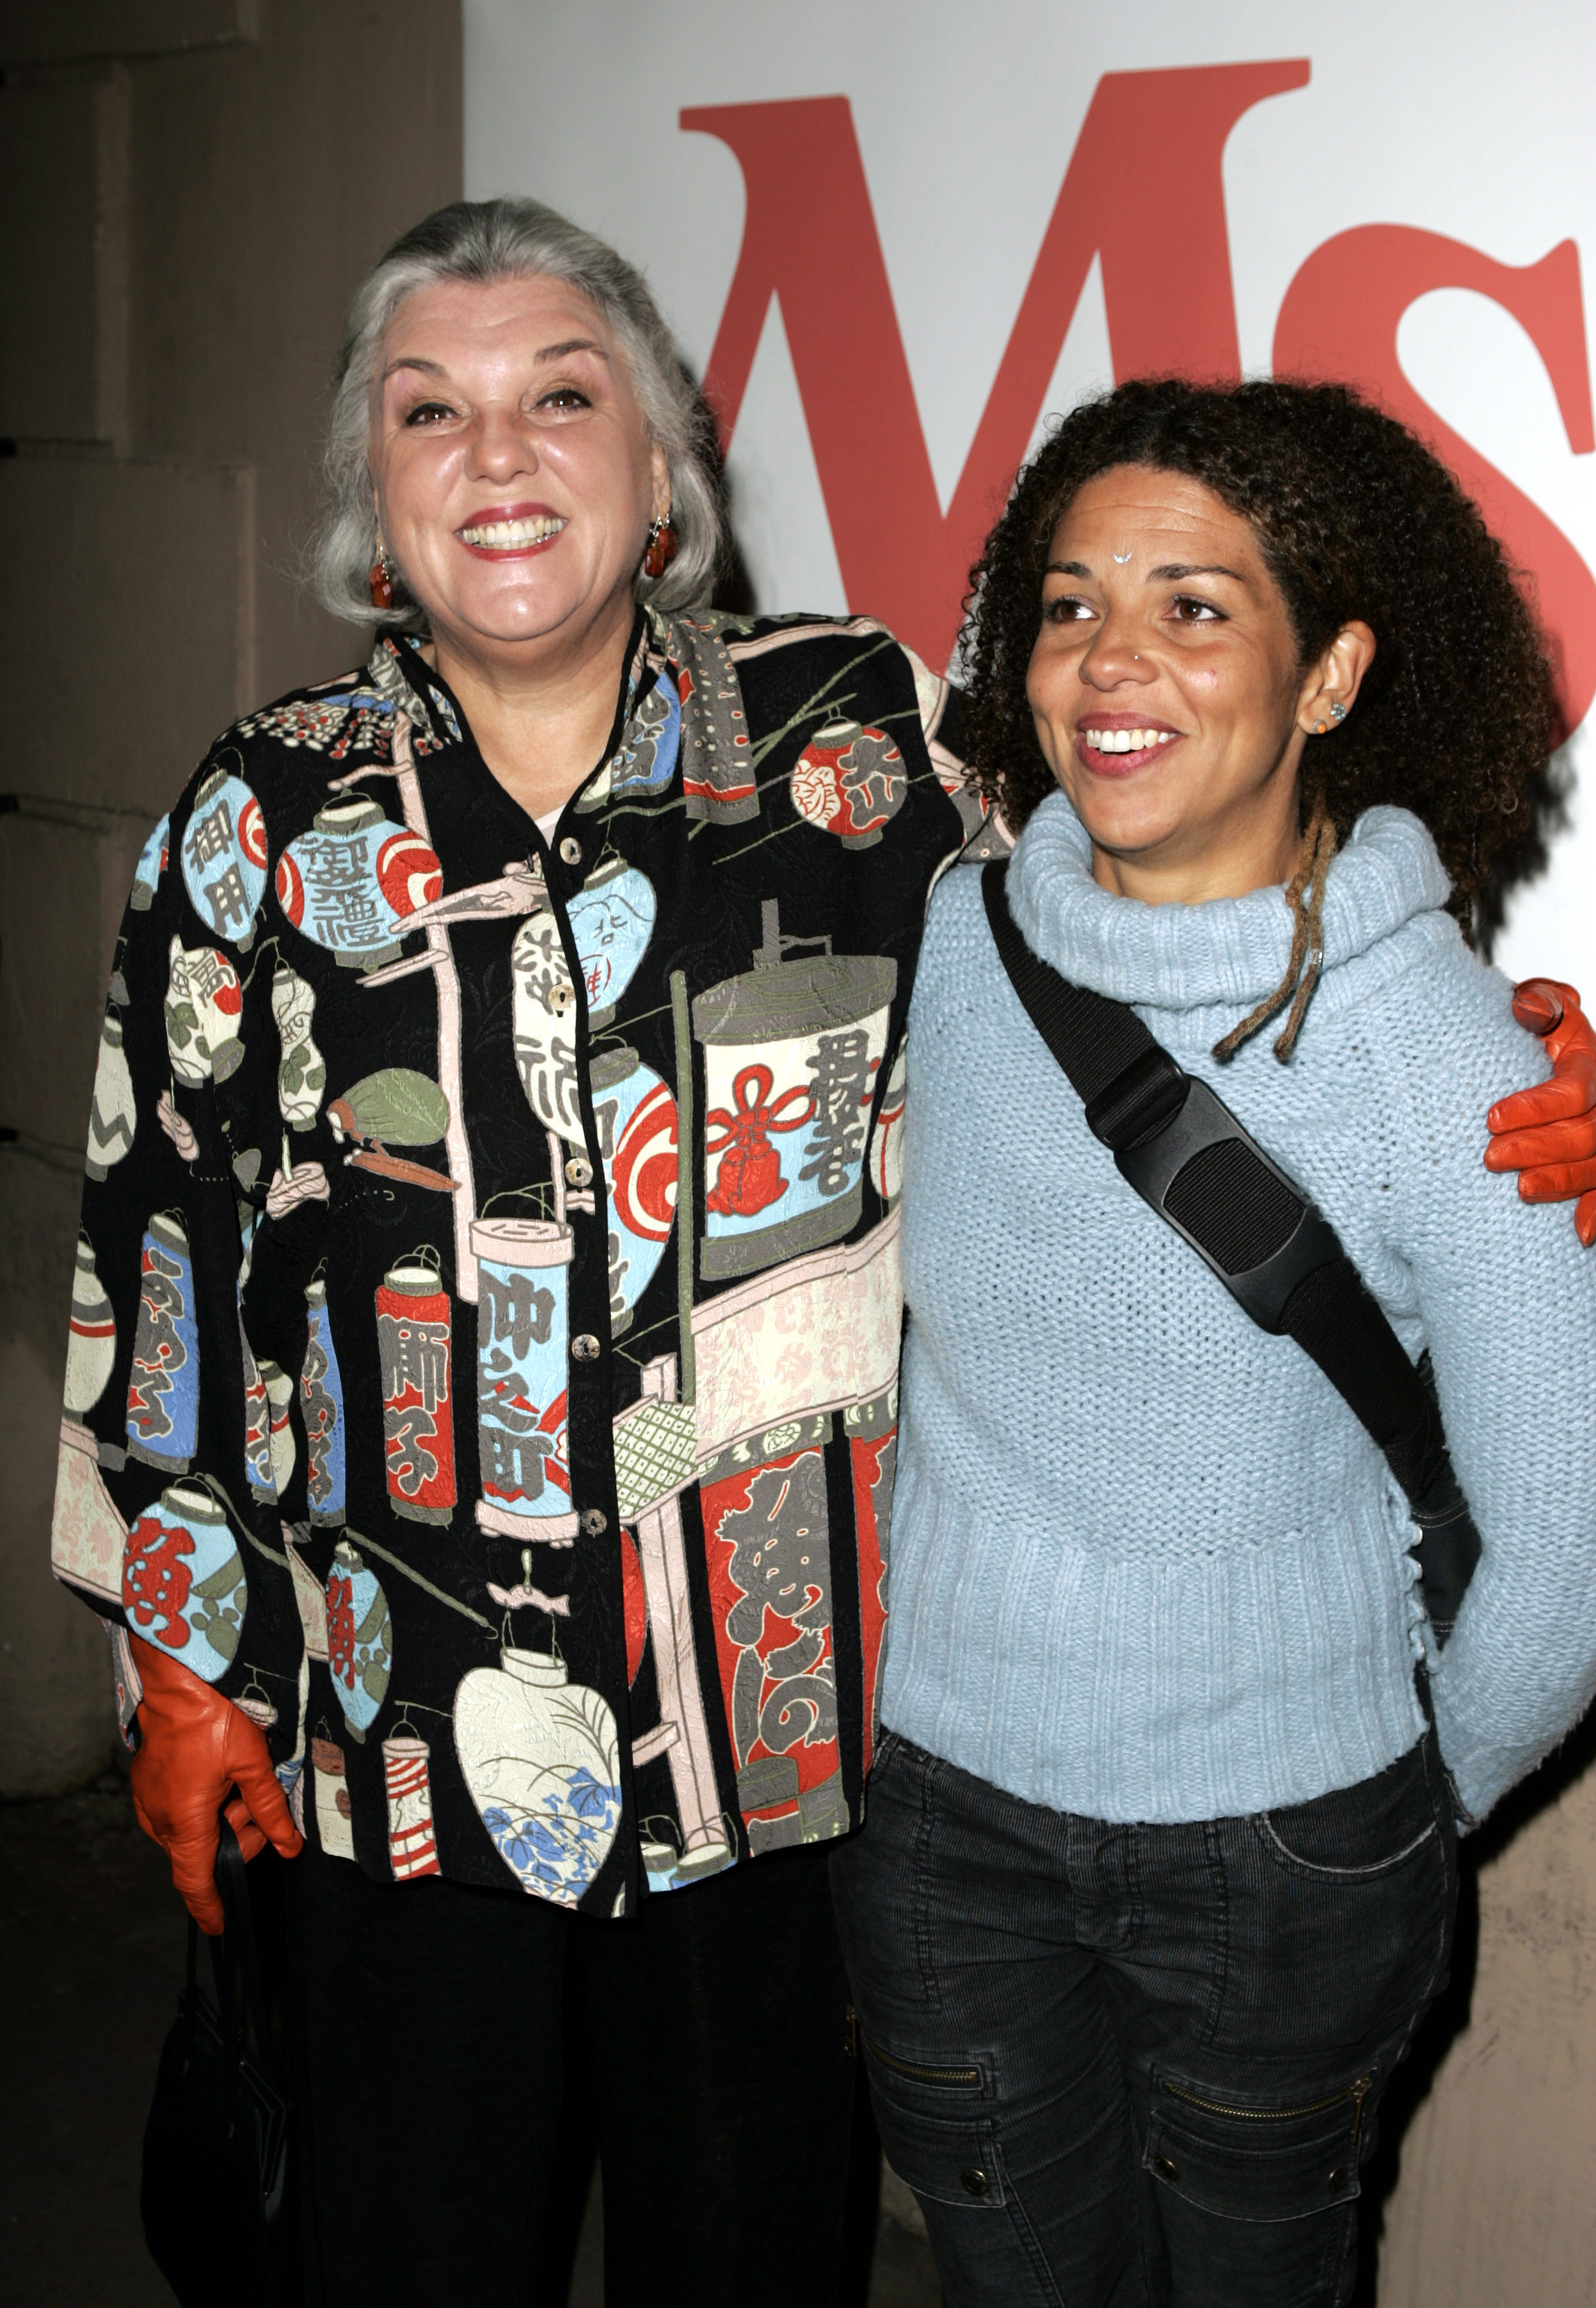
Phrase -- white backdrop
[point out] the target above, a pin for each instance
(1454, 118)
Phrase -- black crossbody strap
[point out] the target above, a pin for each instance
(1178, 1145)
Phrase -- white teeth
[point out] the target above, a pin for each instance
(500, 535)
(1126, 741)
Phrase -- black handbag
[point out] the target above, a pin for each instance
(216, 2200)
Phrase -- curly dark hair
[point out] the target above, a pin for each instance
(1356, 519)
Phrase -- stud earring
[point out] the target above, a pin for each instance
(661, 551)
(379, 579)
(1338, 711)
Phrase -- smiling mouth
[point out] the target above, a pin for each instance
(511, 536)
(1099, 746)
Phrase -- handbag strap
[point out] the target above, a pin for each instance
(236, 1959)
(1177, 1144)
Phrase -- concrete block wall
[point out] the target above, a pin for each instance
(189, 191)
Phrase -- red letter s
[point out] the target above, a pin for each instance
(1340, 319)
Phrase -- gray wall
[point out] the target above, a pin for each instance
(189, 190)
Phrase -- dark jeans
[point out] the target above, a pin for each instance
(709, 2035)
(1139, 2065)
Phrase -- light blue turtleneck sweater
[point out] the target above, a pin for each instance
(1145, 1564)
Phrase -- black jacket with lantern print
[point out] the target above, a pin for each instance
(484, 1338)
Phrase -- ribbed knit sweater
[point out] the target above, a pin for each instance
(1145, 1564)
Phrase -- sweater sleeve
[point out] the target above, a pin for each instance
(165, 1504)
(1508, 1298)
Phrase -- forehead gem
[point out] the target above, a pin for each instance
(1123, 557)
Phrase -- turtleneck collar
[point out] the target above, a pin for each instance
(1231, 952)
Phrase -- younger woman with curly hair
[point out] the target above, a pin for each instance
(1160, 1869)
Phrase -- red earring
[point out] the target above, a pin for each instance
(378, 578)
(663, 541)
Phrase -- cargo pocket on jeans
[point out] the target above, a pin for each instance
(1250, 2159)
(942, 2149)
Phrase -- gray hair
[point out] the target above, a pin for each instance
(482, 242)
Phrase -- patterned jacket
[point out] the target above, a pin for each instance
(485, 1336)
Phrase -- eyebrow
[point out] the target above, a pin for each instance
(1167, 571)
(546, 353)
(572, 345)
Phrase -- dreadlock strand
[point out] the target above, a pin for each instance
(1305, 896)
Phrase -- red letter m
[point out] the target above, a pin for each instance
(1145, 191)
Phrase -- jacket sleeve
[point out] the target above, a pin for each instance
(1508, 1301)
(166, 1518)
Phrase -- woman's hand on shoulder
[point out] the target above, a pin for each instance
(1548, 1134)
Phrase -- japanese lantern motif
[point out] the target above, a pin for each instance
(791, 1054)
(321, 1401)
(114, 1115)
(542, 1759)
(257, 1425)
(886, 1140)
(359, 1637)
(87, 1534)
(224, 857)
(523, 1330)
(769, 1555)
(411, 1845)
(414, 1331)
(279, 1394)
(351, 881)
(151, 865)
(183, 1584)
(850, 780)
(91, 1343)
(301, 1070)
(204, 1014)
(611, 920)
(544, 1024)
(310, 1598)
(334, 1810)
(635, 1116)
(651, 743)
(163, 1386)
(408, 874)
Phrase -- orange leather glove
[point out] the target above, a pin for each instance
(1548, 1135)
(194, 1745)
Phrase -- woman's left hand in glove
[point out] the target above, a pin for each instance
(1548, 1134)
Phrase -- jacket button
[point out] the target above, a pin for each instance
(584, 1347)
(579, 1171)
(571, 851)
(1166, 2167)
(594, 1522)
(1337, 2180)
(973, 2181)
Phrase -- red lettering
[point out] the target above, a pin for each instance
(1340, 319)
(1158, 225)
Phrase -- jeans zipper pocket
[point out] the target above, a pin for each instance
(952, 2079)
(1357, 2092)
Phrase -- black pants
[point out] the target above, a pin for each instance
(1123, 2065)
(707, 2035)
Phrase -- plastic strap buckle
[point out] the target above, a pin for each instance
(1152, 1166)
(1142, 1100)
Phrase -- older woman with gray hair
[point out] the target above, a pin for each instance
(482, 1395)
(481, 1417)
